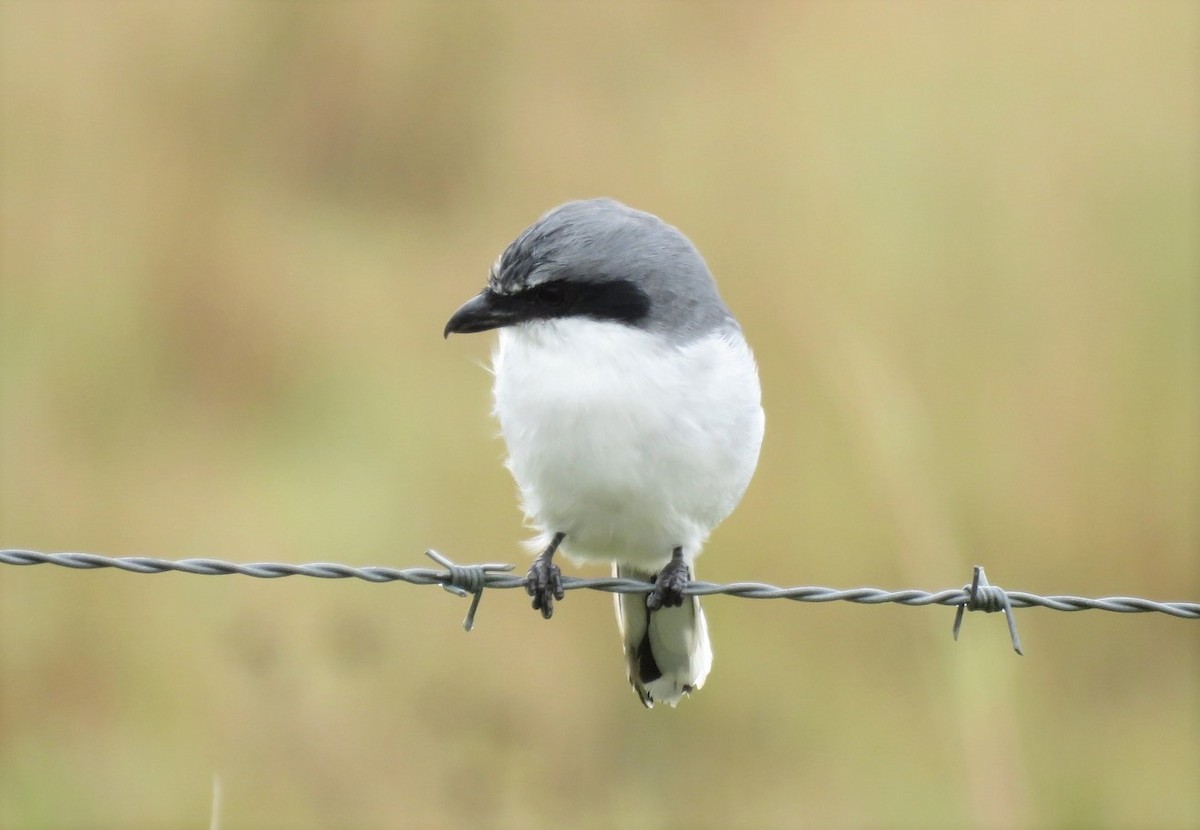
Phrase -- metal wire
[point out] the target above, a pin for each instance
(471, 580)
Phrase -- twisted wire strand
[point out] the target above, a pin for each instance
(473, 579)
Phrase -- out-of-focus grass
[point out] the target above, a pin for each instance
(963, 241)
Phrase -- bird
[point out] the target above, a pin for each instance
(630, 405)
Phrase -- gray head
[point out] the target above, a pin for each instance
(601, 260)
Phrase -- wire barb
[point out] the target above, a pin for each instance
(467, 581)
(471, 580)
(982, 596)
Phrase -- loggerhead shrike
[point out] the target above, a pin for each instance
(630, 404)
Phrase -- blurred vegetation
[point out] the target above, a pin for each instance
(961, 237)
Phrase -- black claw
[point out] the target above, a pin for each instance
(669, 583)
(543, 582)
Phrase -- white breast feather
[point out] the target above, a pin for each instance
(629, 445)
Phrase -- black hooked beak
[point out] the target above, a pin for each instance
(480, 313)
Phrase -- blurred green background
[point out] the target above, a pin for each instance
(962, 238)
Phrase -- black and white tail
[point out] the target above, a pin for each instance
(668, 650)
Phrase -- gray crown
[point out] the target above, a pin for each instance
(602, 240)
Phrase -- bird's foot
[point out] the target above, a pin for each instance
(669, 583)
(543, 582)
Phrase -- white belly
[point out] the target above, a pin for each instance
(628, 445)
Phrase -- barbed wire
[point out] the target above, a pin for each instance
(471, 580)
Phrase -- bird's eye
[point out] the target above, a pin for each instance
(551, 295)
